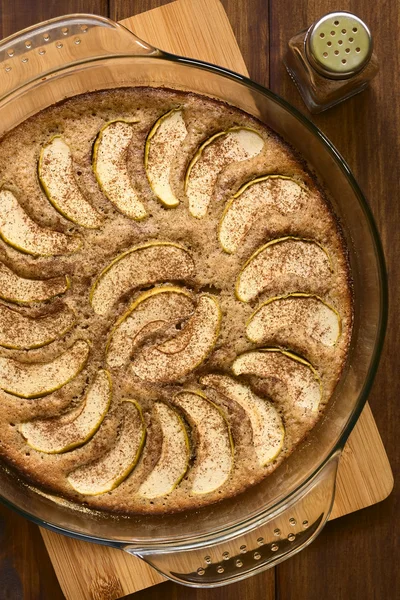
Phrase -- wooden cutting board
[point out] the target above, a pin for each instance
(200, 29)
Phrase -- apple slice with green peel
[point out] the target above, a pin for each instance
(150, 312)
(110, 470)
(178, 343)
(175, 453)
(301, 381)
(266, 423)
(110, 168)
(214, 449)
(140, 266)
(275, 193)
(20, 332)
(214, 155)
(162, 144)
(180, 355)
(33, 380)
(22, 233)
(287, 262)
(20, 290)
(54, 436)
(293, 316)
(56, 175)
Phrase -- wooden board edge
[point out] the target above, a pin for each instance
(364, 464)
(169, 12)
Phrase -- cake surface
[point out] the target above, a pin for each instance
(175, 300)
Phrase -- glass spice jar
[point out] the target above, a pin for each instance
(332, 60)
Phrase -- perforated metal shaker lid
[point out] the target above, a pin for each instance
(339, 45)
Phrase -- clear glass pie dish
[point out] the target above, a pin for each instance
(268, 523)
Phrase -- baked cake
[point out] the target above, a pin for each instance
(175, 305)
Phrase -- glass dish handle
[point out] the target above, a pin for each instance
(294, 526)
(38, 51)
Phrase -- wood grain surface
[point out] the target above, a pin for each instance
(356, 556)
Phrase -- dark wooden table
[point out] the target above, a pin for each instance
(356, 557)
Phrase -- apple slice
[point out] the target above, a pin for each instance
(295, 315)
(266, 423)
(33, 380)
(301, 381)
(162, 144)
(177, 357)
(20, 290)
(110, 168)
(214, 155)
(175, 453)
(140, 266)
(214, 448)
(287, 262)
(54, 436)
(56, 175)
(110, 470)
(21, 332)
(150, 312)
(22, 233)
(273, 193)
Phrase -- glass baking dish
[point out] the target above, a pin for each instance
(268, 523)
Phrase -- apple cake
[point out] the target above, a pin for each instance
(176, 304)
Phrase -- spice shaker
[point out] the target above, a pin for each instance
(332, 60)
